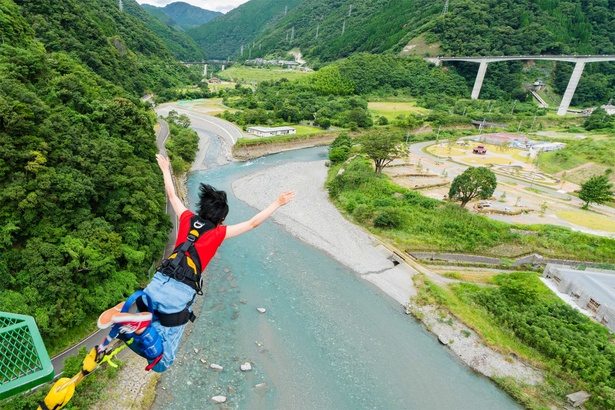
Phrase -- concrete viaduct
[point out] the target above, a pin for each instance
(579, 61)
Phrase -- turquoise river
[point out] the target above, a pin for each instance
(328, 339)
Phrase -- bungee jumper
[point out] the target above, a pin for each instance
(164, 307)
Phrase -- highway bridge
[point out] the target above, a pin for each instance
(578, 60)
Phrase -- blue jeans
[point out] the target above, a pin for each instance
(168, 296)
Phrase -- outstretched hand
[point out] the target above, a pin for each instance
(286, 197)
(163, 162)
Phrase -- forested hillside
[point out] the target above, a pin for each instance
(484, 27)
(114, 44)
(325, 31)
(81, 196)
(179, 44)
(223, 36)
(180, 15)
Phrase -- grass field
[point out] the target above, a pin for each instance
(589, 221)
(306, 129)
(256, 75)
(391, 110)
(477, 159)
(210, 106)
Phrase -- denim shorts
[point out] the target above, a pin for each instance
(168, 296)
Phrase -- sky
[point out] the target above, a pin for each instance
(214, 5)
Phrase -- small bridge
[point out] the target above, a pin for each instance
(579, 60)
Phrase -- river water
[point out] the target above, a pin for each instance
(328, 339)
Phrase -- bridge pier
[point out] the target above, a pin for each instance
(572, 86)
(480, 76)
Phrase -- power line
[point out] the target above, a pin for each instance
(445, 9)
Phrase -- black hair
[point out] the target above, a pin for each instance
(212, 204)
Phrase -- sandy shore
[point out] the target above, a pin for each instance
(313, 219)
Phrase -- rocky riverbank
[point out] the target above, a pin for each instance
(313, 219)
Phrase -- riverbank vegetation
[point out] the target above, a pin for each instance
(519, 315)
(414, 222)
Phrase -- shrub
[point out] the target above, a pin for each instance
(389, 217)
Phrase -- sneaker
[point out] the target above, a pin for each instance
(132, 322)
(106, 319)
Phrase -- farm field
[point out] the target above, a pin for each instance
(256, 75)
(391, 110)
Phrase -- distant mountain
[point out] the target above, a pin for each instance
(225, 35)
(180, 15)
(182, 46)
(114, 44)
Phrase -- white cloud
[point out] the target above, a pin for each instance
(214, 5)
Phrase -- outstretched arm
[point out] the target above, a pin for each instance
(176, 203)
(259, 218)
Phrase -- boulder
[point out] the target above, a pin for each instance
(218, 399)
(246, 367)
(261, 310)
(216, 366)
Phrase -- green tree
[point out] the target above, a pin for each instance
(474, 182)
(340, 148)
(381, 147)
(597, 189)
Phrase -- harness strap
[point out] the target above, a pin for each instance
(187, 270)
(167, 319)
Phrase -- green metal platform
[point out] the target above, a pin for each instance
(24, 362)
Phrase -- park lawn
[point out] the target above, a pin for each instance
(257, 75)
(589, 221)
(210, 106)
(443, 150)
(391, 110)
(477, 159)
(306, 129)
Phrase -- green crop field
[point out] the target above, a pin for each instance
(393, 109)
(256, 75)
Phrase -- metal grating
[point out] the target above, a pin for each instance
(24, 362)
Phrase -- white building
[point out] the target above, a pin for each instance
(270, 132)
(593, 290)
(610, 109)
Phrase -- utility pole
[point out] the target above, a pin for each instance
(285, 9)
(242, 49)
(343, 27)
(349, 10)
(292, 33)
(445, 9)
(317, 27)
(121, 5)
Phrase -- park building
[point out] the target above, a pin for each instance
(592, 290)
(270, 132)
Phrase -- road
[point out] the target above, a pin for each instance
(207, 127)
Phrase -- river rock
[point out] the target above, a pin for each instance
(261, 310)
(262, 385)
(203, 360)
(216, 366)
(196, 350)
(246, 367)
(218, 399)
